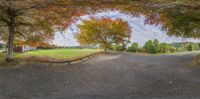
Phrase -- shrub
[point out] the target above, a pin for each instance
(172, 49)
(190, 47)
(133, 48)
(164, 48)
(1, 46)
(117, 48)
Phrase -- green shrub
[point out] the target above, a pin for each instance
(172, 49)
(133, 48)
(1, 46)
(117, 48)
(164, 48)
(190, 47)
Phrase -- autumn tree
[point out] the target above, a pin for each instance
(36, 20)
(103, 32)
(33, 21)
(24, 19)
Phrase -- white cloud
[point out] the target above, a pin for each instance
(140, 32)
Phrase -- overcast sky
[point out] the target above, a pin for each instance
(140, 32)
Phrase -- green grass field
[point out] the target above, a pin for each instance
(53, 53)
(59, 53)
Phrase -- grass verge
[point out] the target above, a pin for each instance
(57, 54)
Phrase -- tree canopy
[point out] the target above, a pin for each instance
(103, 32)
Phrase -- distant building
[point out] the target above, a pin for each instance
(23, 48)
(20, 46)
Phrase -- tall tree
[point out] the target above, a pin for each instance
(22, 19)
(156, 45)
(181, 22)
(103, 31)
(148, 47)
(32, 20)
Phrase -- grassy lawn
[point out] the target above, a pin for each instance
(58, 53)
(52, 53)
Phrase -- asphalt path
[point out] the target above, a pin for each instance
(112, 76)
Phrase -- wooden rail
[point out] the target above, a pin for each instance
(67, 61)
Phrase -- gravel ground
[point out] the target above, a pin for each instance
(113, 76)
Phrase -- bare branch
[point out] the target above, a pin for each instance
(24, 36)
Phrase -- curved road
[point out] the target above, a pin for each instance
(113, 76)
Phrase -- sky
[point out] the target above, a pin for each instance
(141, 32)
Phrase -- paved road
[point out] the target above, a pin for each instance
(114, 76)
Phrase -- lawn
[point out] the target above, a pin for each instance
(53, 53)
(59, 53)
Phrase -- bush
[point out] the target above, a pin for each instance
(133, 48)
(172, 49)
(164, 48)
(190, 47)
(117, 48)
(111, 48)
(1, 46)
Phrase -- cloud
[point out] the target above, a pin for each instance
(141, 32)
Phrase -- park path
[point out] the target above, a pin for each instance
(113, 76)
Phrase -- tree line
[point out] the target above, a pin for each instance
(155, 47)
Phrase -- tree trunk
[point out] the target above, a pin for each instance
(10, 43)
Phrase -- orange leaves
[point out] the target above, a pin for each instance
(78, 13)
(105, 20)
(103, 31)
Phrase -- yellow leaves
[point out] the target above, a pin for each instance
(104, 30)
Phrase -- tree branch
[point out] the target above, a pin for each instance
(21, 34)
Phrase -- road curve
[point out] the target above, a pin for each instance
(112, 76)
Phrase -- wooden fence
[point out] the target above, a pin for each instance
(65, 61)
